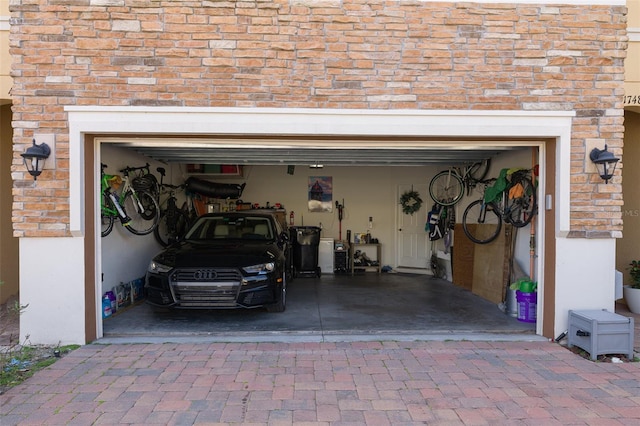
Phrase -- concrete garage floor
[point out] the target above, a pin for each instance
(334, 308)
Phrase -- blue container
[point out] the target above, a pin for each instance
(527, 306)
(106, 307)
(114, 304)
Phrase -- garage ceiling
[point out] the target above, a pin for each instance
(328, 152)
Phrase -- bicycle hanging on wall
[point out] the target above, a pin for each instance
(447, 187)
(516, 204)
(135, 206)
(174, 221)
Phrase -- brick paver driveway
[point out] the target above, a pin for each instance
(378, 383)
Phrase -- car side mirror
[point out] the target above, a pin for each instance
(283, 239)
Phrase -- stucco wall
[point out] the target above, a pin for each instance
(350, 54)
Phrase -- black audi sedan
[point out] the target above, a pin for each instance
(226, 260)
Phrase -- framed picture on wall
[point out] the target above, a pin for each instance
(360, 237)
(320, 192)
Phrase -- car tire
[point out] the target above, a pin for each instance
(160, 310)
(281, 304)
(290, 273)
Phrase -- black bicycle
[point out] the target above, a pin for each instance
(447, 187)
(174, 221)
(482, 219)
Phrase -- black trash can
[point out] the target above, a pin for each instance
(306, 242)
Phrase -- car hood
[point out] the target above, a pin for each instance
(219, 254)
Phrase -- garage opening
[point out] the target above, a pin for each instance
(410, 281)
(383, 166)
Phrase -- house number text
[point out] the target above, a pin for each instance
(631, 99)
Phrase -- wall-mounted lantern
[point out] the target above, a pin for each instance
(605, 162)
(34, 158)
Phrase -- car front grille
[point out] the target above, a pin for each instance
(206, 287)
(206, 274)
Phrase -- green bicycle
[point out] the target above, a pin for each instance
(516, 205)
(135, 206)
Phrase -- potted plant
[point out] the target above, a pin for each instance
(632, 290)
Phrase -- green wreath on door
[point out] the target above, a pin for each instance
(411, 202)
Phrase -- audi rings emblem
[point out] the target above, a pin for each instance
(205, 275)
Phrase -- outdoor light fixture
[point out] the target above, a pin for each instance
(605, 162)
(34, 158)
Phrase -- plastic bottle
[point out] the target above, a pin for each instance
(106, 307)
(291, 217)
(114, 305)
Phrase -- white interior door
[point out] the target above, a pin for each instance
(413, 241)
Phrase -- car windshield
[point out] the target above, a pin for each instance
(231, 227)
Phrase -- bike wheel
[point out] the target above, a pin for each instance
(436, 270)
(521, 202)
(481, 222)
(138, 207)
(446, 188)
(106, 219)
(155, 186)
(150, 210)
(479, 170)
(171, 227)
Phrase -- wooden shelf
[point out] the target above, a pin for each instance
(377, 268)
(215, 170)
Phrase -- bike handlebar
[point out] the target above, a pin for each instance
(128, 169)
(166, 185)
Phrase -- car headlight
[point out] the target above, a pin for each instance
(262, 268)
(158, 268)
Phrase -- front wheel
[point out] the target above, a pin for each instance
(106, 218)
(281, 303)
(290, 270)
(481, 222)
(521, 202)
(446, 188)
(171, 227)
(139, 206)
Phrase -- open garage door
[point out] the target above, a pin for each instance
(274, 151)
(369, 184)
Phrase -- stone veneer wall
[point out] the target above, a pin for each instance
(315, 54)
